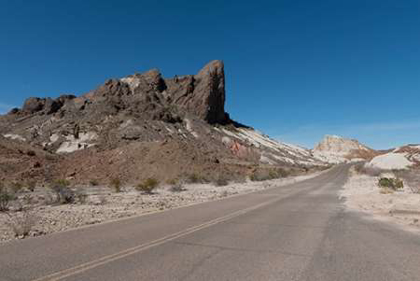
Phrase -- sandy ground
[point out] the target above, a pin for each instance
(401, 207)
(103, 205)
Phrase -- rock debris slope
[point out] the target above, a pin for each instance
(142, 125)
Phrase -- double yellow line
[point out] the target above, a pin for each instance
(60, 275)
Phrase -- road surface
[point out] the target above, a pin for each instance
(296, 232)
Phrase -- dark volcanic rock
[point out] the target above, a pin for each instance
(211, 89)
(33, 105)
(202, 94)
(47, 105)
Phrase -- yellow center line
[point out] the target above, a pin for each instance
(60, 275)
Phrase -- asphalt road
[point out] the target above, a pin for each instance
(296, 232)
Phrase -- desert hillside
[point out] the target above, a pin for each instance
(140, 126)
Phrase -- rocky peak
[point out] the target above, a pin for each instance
(211, 89)
(336, 149)
(339, 145)
(202, 95)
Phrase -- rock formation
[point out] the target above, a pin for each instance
(145, 125)
(335, 149)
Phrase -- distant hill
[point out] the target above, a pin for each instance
(335, 149)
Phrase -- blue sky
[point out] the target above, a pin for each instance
(296, 70)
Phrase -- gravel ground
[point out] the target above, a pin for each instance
(401, 207)
(103, 205)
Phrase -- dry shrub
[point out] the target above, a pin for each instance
(176, 186)
(269, 174)
(21, 223)
(197, 178)
(16, 187)
(62, 191)
(6, 197)
(221, 181)
(31, 185)
(116, 185)
(93, 182)
(148, 185)
(81, 196)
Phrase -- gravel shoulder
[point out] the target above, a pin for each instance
(362, 193)
(102, 205)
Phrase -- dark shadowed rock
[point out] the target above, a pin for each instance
(51, 106)
(202, 94)
(46, 105)
(33, 105)
(211, 89)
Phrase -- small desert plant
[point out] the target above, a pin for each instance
(148, 185)
(48, 199)
(28, 199)
(224, 194)
(93, 182)
(102, 199)
(81, 196)
(272, 174)
(21, 223)
(31, 185)
(172, 181)
(63, 193)
(391, 183)
(176, 186)
(221, 181)
(260, 175)
(116, 185)
(5, 198)
(196, 178)
(277, 173)
(16, 187)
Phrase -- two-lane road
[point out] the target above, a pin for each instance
(296, 232)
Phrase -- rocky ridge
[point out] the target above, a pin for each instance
(142, 125)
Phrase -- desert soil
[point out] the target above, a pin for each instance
(103, 205)
(362, 193)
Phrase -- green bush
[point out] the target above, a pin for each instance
(148, 185)
(391, 183)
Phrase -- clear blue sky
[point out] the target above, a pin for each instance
(296, 70)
